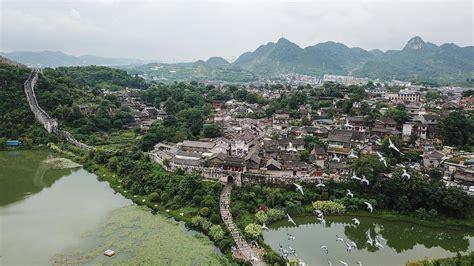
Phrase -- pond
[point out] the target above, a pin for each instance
(403, 241)
(50, 215)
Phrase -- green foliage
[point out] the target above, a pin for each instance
(398, 113)
(100, 77)
(329, 207)
(17, 121)
(253, 230)
(457, 129)
(275, 214)
(261, 217)
(216, 232)
(212, 131)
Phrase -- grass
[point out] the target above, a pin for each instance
(141, 238)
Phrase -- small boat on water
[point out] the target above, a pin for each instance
(109, 253)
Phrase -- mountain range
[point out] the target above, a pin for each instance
(56, 59)
(416, 61)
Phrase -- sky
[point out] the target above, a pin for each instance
(182, 31)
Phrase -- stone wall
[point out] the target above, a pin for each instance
(206, 172)
(49, 123)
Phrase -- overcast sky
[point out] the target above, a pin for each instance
(191, 30)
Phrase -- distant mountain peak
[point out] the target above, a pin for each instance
(217, 61)
(415, 43)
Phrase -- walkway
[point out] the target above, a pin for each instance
(244, 250)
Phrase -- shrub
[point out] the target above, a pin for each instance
(216, 232)
(253, 230)
(329, 206)
(197, 220)
(215, 218)
(275, 214)
(154, 197)
(261, 217)
(204, 211)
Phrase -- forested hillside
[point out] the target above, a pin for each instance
(61, 92)
(16, 119)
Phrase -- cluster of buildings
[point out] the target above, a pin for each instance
(281, 146)
(144, 115)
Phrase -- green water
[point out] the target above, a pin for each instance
(49, 215)
(404, 241)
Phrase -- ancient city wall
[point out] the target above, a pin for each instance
(48, 122)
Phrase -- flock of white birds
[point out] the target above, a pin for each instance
(349, 245)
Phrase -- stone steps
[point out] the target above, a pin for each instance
(244, 248)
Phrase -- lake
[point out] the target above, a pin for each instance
(52, 215)
(404, 241)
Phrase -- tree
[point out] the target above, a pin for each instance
(211, 131)
(216, 232)
(399, 114)
(304, 156)
(457, 129)
(253, 230)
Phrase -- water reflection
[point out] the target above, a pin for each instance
(24, 173)
(404, 241)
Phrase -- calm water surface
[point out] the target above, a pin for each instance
(68, 216)
(404, 241)
(43, 210)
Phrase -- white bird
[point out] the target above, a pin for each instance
(320, 185)
(356, 221)
(292, 250)
(359, 263)
(355, 177)
(406, 174)
(365, 180)
(335, 158)
(319, 212)
(299, 187)
(377, 244)
(290, 220)
(353, 244)
(352, 155)
(343, 263)
(369, 206)
(370, 241)
(329, 263)
(338, 238)
(400, 165)
(325, 249)
(349, 193)
(380, 237)
(392, 146)
(265, 227)
(322, 220)
(253, 258)
(348, 246)
(291, 237)
(382, 159)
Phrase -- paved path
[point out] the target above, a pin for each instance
(243, 247)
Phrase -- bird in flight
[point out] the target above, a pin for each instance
(393, 147)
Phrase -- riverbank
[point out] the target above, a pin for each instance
(163, 199)
(459, 260)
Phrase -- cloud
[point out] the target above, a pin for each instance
(74, 13)
(190, 30)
